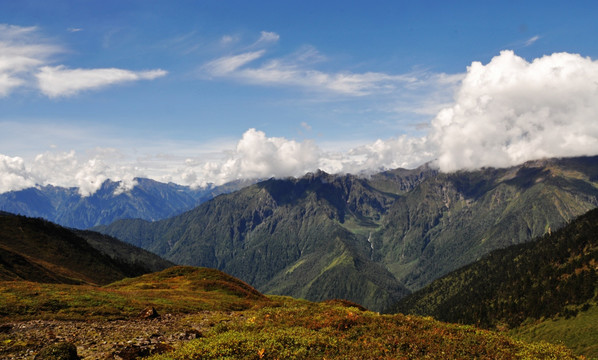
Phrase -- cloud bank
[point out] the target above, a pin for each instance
(511, 110)
(66, 169)
(505, 112)
(25, 62)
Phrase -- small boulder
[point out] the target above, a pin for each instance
(149, 313)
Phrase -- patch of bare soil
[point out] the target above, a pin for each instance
(98, 339)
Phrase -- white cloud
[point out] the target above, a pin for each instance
(13, 174)
(19, 55)
(267, 36)
(59, 81)
(87, 173)
(25, 59)
(228, 64)
(277, 72)
(228, 39)
(297, 70)
(510, 111)
(257, 156)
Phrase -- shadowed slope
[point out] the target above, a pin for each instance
(37, 250)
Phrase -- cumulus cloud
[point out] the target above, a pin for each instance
(257, 156)
(87, 173)
(25, 61)
(13, 174)
(55, 81)
(510, 111)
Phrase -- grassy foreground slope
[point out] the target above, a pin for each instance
(174, 290)
(293, 329)
(233, 321)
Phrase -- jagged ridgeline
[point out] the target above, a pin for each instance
(369, 240)
(148, 199)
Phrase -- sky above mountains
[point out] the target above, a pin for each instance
(200, 92)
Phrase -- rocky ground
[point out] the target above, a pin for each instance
(100, 339)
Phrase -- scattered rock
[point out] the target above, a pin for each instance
(58, 351)
(149, 313)
(193, 334)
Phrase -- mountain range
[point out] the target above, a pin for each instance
(148, 199)
(371, 240)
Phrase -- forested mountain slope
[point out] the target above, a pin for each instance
(554, 277)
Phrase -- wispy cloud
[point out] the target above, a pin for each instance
(25, 61)
(277, 72)
(227, 65)
(73, 29)
(56, 81)
(298, 70)
(228, 39)
(20, 55)
(531, 40)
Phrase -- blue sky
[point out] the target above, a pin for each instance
(211, 91)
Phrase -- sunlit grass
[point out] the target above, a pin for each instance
(294, 329)
(176, 290)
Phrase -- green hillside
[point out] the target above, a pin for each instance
(369, 240)
(550, 286)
